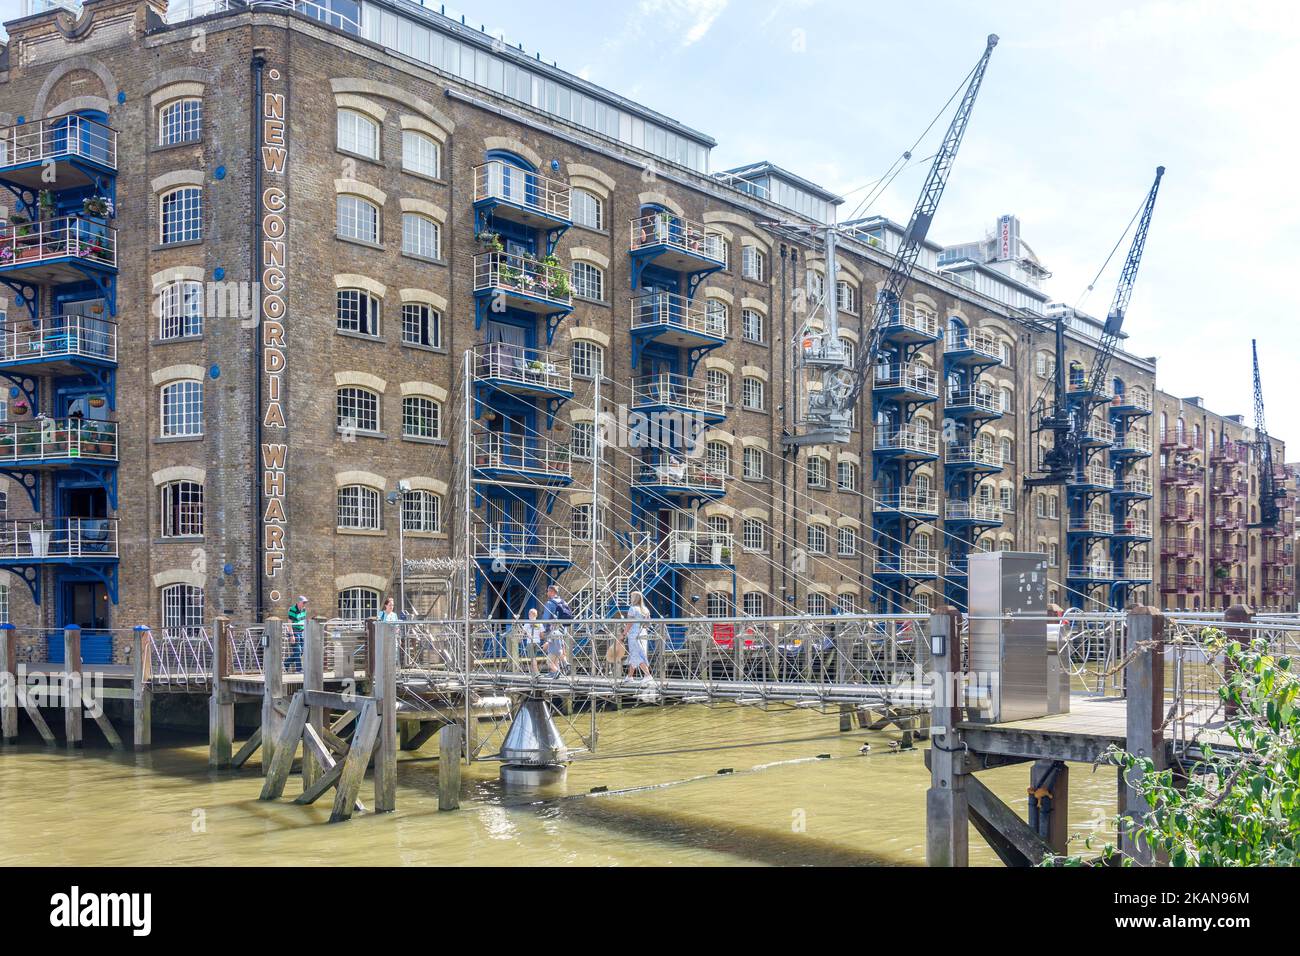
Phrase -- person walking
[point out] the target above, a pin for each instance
(297, 615)
(533, 631)
(556, 609)
(634, 636)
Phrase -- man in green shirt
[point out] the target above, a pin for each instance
(297, 624)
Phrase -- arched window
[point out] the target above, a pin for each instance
(717, 458)
(755, 604)
(182, 606)
(357, 311)
(180, 310)
(182, 509)
(421, 325)
(421, 154)
(751, 393)
(182, 409)
(358, 219)
(846, 297)
(817, 604)
(718, 385)
(816, 471)
(588, 359)
(753, 464)
(717, 317)
(357, 409)
(180, 215)
(587, 209)
(751, 325)
(358, 134)
(180, 121)
(421, 417)
(358, 604)
(817, 538)
(358, 508)
(753, 535)
(846, 542)
(588, 281)
(421, 236)
(846, 476)
(421, 511)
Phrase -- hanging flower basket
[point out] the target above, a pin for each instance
(97, 402)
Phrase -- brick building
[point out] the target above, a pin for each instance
(362, 268)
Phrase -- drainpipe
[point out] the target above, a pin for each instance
(782, 341)
(258, 65)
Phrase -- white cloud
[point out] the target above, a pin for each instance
(688, 19)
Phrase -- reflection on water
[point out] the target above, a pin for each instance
(798, 792)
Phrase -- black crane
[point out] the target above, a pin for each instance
(1270, 491)
(830, 410)
(1067, 419)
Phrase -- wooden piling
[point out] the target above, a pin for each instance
(353, 771)
(141, 694)
(947, 806)
(72, 722)
(8, 684)
(313, 678)
(221, 706)
(449, 749)
(1144, 694)
(277, 770)
(1237, 614)
(272, 690)
(385, 691)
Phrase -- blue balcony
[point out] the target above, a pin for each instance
(908, 443)
(906, 381)
(1092, 572)
(911, 563)
(671, 476)
(68, 152)
(504, 280)
(507, 192)
(670, 242)
(699, 550)
(909, 502)
(1093, 524)
(58, 541)
(907, 325)
(977, 457)
(531, 373)
(1134, 487)
(972, 512)
(668, 394)
(53, 251)
(974, 349)
(1092, 478)
(670, 319)
(57, 443)
(515, 459)
(1130, 403)
(974, 402)
(1131, 528)
(499, 547)
(1135, 572)
(58, 344)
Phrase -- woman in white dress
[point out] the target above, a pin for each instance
(634, 637)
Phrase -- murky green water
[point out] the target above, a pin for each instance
(667, 804)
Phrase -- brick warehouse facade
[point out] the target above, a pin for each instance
(251, 189)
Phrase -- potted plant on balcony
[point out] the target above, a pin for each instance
(556, 278)
(45, 201)
(490, 241)
(98, 206)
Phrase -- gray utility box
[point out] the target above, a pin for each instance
(1008, 633)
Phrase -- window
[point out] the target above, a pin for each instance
(1008, 450)
(357, 409)
(588, 359)
(846, 542)
(846, 297)
(751, 393)
(817, 604)
(580, 522)
(847, 603)
(717, 318)
(182, 509)
(718, 604)
(358, 508)
(717, 458)
(1040, 505)
(719, 524)
(358, 219)
(1008, 500)
(181, 218)
(420, 154)
(358, 604)
(582, 444)
(816, 471)
(921, 601)
(421, 236)
(421, 512)
(755, 604)
(421, 325)
(182, 606)
(180, 121)
(717, 385)
(180, 310)
(816, 285)
(752, 262)
(1054, 555)
(753, 535)
(752, 460)
(751, 325)
(359, 134)
(421, 417)
(182, 409)
(846, 476)
(586, 209)
(357, 311)
(588, 281)
(1005, 400)
(817, 539)
(1053, 508)
(4, 604)
(1044, 364)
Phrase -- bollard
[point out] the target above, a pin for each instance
(947, 805)
(8, 684)
(141, 695)
(221, 706)
(273, 703)
(1144, 736)
(72, 724)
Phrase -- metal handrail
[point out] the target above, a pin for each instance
(502, 361)
(53, 438)
(668, 229)
(59, 538)
(675, 311)
(520, 453)
(497, 179)
(58, 336)
(907, 438)
(671, 388)
(54, 138)
(525, 275)
(913, 375)
(58, 238)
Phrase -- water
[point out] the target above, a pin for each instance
(667, 804)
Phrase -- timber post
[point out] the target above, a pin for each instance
(1237, 614)
(221, 706)
(1144, 698)
(385, 692)
(141, 694)
(947, 804)
(449, 748)
(313, 678)
(273, 690)
(8, 684)
(72, 723)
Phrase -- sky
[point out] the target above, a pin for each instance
(1082, 100)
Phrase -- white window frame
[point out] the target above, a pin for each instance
(181, 405)
(348, 128)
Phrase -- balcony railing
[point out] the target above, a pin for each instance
(683, 235)
(57, 438)
(1177, 475)
(1176, 547)
(1095, 570)
(681, 472)
(180, 11)
(974, 453)
(58, 238)
(979, 398)
(1092, 523)
(1231, 452)
(973, 510)
(1099, 432)
(1229, 487)
(1175, 511)
(56, 337)
(1137, 571)
(1079, 382)
(506, 542)
(1232, 584)
(524, 367)
(1132, 399)
(1134, 526)
(907, 317)
(700, 547)
(494, 450)
(1226, 521)
(65, 137)
(677, 391)
(1097, 475)
(523, 275)
(909, 500)
(1228, 553)
(908, 438)
(912, 376)
(498, 180)
(1134, 442)
(677, 312)
(1136, 485)
(89, 538)
(1183, 583)
(979, 341)
(911, 561)
(1280, 557)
